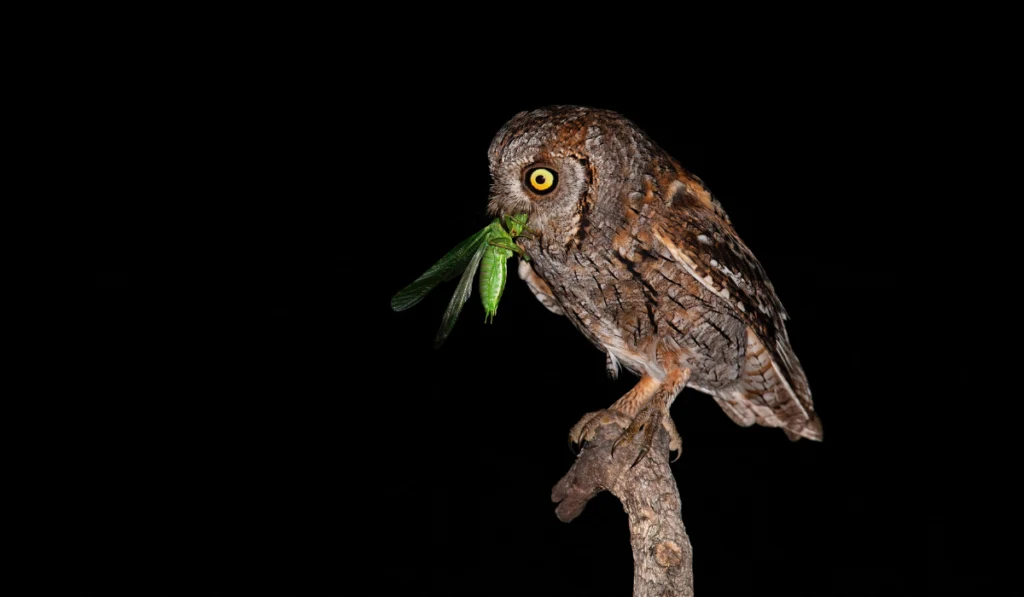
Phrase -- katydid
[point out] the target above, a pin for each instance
(488, 249)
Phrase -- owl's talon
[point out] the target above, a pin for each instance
(573, 444)
(640, 456)
(615, 445)
(675, 441)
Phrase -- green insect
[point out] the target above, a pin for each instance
(493, 265)
(489, 250)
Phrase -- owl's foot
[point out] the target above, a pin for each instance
(655, 414)
(649, 399)
(584, 430)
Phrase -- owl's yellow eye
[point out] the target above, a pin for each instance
(541, 180)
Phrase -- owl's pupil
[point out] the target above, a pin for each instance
(540, 179)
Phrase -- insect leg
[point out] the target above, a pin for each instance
(517, 227)
(501, 244)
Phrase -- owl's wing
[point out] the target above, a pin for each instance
(709, 250)
(773, 389)
(452, 264)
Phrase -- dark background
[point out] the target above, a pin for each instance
(259, 420)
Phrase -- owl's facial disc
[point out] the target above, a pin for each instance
(543, 185)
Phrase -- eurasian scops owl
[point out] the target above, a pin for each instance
(642, 259)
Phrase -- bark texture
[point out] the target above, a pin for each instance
(662, 557)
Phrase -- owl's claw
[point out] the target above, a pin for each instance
(640, 456)
(675, 441)
(625, 437)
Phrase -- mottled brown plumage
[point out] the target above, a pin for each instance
(639, 256)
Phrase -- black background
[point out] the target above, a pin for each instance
(261, 421)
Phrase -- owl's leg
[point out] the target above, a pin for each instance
(655, 414)
(538, 287)
(621, 412)
(611, 365)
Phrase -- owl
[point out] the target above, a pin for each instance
(640, 257)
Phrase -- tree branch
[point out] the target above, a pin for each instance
(662, 557)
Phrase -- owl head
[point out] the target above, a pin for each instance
(553, 162)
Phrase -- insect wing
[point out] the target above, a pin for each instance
(448, 267)
(460, 297)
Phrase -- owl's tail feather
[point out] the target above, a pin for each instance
(811, 429)
(787, 368)
(772, 392)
